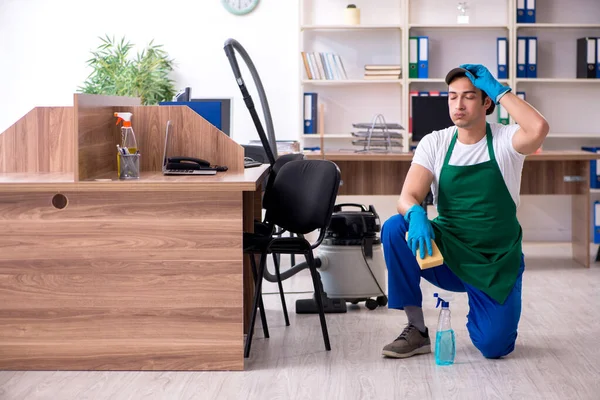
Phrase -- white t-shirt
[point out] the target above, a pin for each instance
(431, 152)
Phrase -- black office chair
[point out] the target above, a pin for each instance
(269, 148)
(264, 228)
(300, 200)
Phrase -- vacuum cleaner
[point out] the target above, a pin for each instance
(350, 259)
(352, 267)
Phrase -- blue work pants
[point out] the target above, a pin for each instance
(492, 326)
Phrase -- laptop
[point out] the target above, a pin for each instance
(184, 165)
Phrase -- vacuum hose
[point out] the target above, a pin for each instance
(271, 145)
(319, 263)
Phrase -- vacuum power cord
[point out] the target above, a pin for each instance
(362, 247)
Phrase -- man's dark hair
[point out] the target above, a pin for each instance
(462, 74)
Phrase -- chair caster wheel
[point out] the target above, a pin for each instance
(371, 304)
(382, 301)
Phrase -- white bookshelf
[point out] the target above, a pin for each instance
(347, 82)
(458, 26)
(348, 27)
(558, 80)
(558, 26)
(569, 104)
(441, 80)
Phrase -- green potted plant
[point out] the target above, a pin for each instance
(115, 73)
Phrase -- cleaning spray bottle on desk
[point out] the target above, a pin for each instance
(445, 341)
(127, 136)
(128, 142)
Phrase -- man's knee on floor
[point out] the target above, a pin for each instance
(495, 343)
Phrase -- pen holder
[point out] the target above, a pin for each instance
(129, 166)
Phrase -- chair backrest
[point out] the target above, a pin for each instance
(303, 195)
(280, 162)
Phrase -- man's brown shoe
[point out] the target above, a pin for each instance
(410, 342)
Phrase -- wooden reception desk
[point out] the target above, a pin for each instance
(546, 173)
(102, 274)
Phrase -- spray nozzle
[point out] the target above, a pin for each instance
(445, 304)
(124, 117)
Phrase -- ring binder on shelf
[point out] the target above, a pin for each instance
(521, 57)
(502, 49)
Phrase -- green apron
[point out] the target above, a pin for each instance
(477, 229)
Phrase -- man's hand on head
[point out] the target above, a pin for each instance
(482, 79)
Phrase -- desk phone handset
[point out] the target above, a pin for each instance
(187, 163)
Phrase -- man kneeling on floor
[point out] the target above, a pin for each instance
(474, 172)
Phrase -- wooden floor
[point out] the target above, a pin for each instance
(557, 354)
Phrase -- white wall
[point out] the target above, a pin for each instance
(44, 46)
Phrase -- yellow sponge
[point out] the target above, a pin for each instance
(430, 261)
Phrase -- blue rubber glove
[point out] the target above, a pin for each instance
(482, 79)
(420, 231)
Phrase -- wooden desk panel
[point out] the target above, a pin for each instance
(383, 174)
(555, 177)
(121, 281)
(41, 141)
(372, 177)
(548, 155)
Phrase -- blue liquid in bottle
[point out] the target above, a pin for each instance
(445, 347)
(445, 341)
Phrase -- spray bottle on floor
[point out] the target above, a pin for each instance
(445, 341)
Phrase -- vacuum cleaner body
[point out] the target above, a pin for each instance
(352, 263)
(345, 273)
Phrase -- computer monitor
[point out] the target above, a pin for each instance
(183, 94)
(215, 111)
(221, 111)
(429, 113)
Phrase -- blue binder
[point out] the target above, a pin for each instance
(310, 112)
(598, 57)
(532, 57)
(423, 68)
(502, 57)
(594, 168)
(522, 57)
(530, 11)
(520, 11)
(597, 222)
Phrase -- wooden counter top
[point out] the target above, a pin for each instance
(543, 156)
(154, 181)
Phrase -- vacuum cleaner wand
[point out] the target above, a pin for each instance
(270, 148)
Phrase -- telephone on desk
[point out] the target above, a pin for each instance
(190, 163)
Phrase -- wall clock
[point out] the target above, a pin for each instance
(240, 7)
